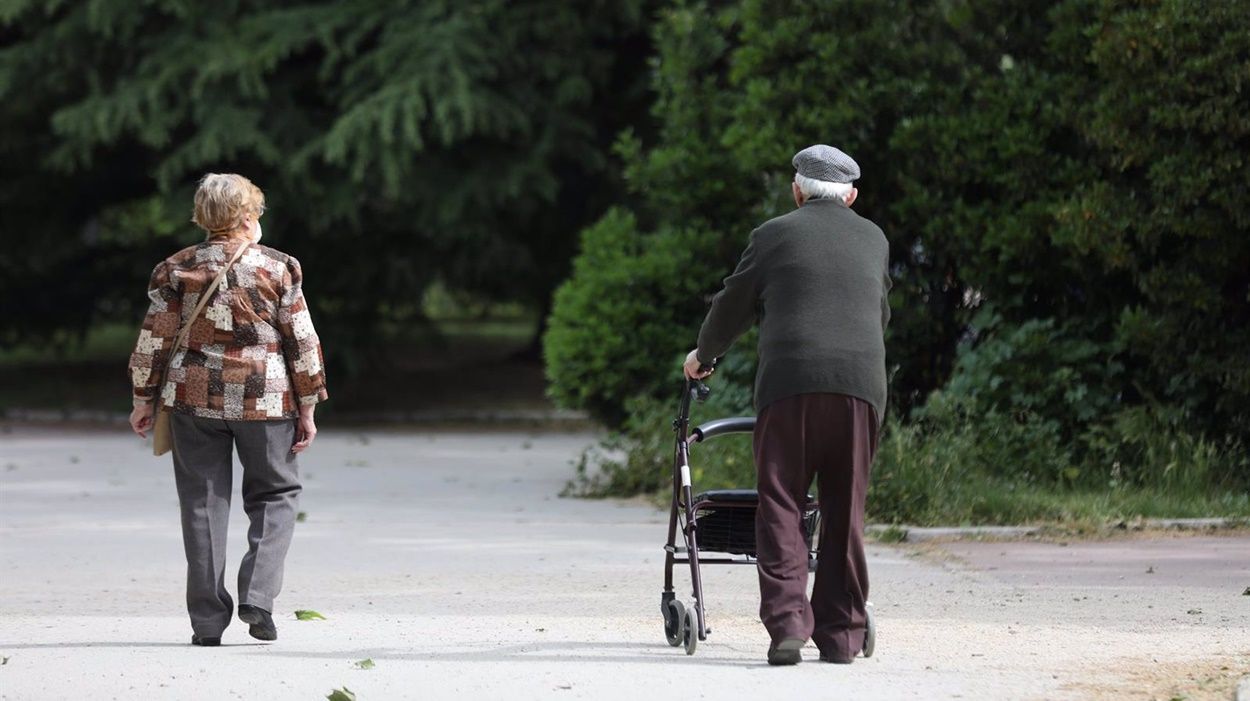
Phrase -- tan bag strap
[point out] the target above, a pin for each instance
(208, 293)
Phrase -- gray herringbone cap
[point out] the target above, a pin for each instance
(821, 162)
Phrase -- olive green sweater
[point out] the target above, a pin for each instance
(817, 279)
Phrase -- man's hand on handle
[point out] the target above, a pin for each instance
(141, 420)
(305, 428)
(694, 369)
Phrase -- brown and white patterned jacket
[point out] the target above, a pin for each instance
(252, 355)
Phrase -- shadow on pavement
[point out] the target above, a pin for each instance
(54, 646)
(546, 652)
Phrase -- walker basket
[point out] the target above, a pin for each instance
(729, 527)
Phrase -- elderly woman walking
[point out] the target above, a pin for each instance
(229, 351)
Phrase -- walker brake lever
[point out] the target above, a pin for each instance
(701, 391)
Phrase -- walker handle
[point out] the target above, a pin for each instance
(709, 368)
(701, 390)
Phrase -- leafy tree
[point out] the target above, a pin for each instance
(742, 86)
(1062, 186)
(1167, 117)
(626, 280)
(636, 292)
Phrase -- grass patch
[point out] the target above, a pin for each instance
(1004, 470)
(998, 470)
(892, 534)
(519, 330)
(101, 343)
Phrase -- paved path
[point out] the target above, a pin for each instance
(449, 561)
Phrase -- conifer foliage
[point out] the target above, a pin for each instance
(398, 142)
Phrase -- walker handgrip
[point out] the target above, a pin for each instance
(709, 367)
(702, 391)
(720, 427)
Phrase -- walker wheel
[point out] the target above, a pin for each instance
(674, 619)
(870, 632)
(690, 631)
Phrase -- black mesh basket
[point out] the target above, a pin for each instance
(731, 529)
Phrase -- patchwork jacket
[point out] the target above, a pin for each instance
(252, 354)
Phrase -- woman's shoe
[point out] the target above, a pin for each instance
(205, 641)
(259, 621)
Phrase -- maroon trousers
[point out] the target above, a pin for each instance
(831, 438)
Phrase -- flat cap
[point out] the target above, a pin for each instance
(821, 162)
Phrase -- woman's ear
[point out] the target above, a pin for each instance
(798, 195)
(850, 197)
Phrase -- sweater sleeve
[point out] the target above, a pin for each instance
(156, 338)
(733, 308)
(300, 345)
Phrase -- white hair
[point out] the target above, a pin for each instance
(814, 189)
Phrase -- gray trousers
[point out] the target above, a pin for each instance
(203, 470)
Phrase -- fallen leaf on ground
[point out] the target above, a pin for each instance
(366, 663)
(343, 694)
(301, 517)
(309, 616)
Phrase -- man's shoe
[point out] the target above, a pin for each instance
(205, 641)
(836, 660)
(259, 621)
(786, 652)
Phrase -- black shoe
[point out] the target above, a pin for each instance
(260, 622)
(836, 660)
(786, 652)
(206, 641)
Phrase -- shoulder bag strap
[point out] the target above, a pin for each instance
(208, 293)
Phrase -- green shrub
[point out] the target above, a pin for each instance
(633, 303)
(1163, 109)
(950, 467)
(1159, 448)
(956, 467)
(1037, 368)
(637, 459)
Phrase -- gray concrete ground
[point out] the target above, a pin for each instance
(448, 560)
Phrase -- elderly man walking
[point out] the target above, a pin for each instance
(817, 278)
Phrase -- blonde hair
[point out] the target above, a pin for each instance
(224, 200)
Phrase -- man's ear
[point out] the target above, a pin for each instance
(850, 198)
(799, 199)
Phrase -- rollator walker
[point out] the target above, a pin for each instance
(719, 521)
